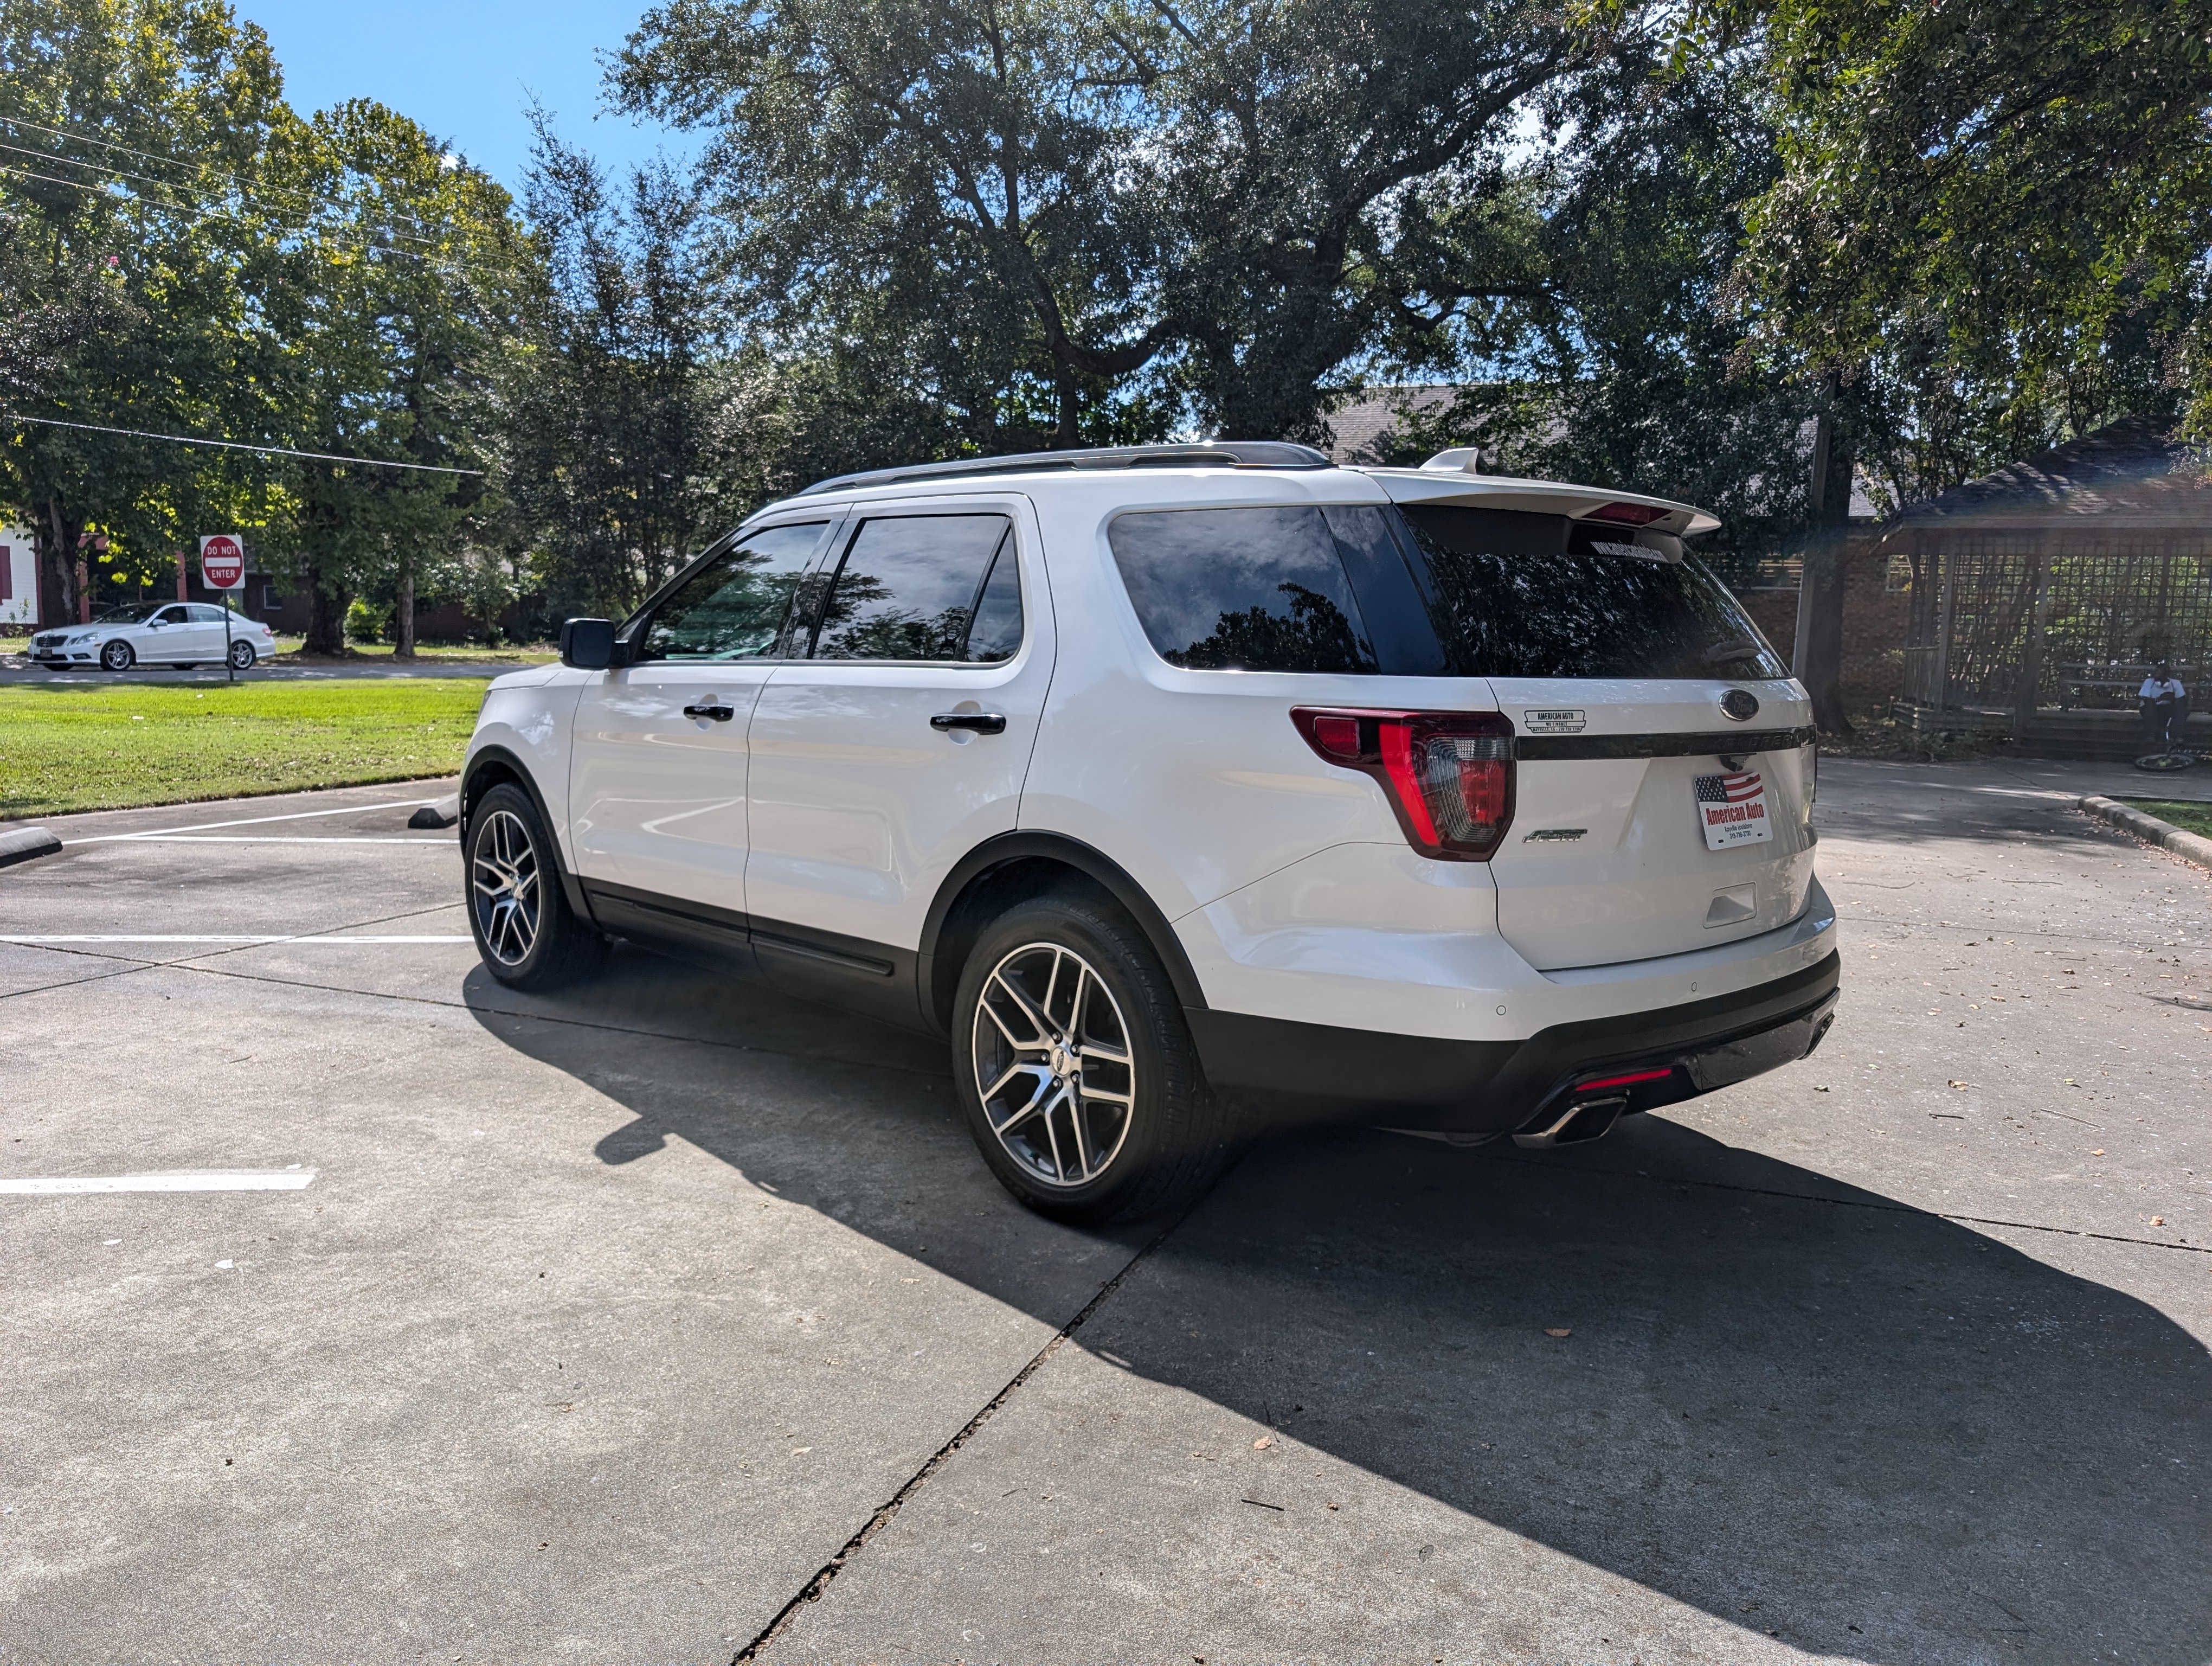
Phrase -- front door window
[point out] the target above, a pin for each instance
(733, 608)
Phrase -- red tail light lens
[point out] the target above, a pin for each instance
(1627, 514)
(1449, 776)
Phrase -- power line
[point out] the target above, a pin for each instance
(181, 207)
(450, 265)
(236, 444)
(303, 198)
(171, 161)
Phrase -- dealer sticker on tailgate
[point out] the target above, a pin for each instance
(1732, 809)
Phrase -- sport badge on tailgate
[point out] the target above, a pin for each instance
(1732, 809)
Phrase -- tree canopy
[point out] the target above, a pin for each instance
(1662, 247)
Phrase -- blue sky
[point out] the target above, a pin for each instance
(466, 69)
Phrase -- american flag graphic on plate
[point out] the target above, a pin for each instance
(1732, 809)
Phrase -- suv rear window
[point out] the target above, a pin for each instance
(1516, 594)
(1429, 591)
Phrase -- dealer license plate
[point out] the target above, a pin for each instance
(1732, 809)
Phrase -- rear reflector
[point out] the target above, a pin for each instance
(1629, 1080)
(1449, 776)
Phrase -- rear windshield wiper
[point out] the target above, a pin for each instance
(1736, 648)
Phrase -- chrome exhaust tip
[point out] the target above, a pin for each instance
(1582, 1122)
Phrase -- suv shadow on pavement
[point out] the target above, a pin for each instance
(1822, 1414)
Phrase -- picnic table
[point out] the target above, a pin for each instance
(2117, 678)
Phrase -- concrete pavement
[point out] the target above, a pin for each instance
(611, 1320)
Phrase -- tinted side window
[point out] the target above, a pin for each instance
(1242, 589)
(909, 586)
(733, 607)
(995, 632)
(205, 613)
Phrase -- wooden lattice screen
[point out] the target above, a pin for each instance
(2009, 619)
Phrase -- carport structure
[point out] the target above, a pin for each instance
(2041, 592)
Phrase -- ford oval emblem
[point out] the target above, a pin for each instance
(1741, 704)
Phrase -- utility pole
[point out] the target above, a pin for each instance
(1817, 660)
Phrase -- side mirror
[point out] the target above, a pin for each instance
(587, 644)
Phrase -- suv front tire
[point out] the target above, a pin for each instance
(529, 937)
(1076, 1069)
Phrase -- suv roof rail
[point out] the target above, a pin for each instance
(1211, 454)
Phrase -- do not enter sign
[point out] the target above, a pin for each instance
(223, 561)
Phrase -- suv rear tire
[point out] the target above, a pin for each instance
(518, 914)
(1076, 1069)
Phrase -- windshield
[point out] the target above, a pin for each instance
(130, 613)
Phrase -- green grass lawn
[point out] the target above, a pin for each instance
(108, 747)
(2191, 815)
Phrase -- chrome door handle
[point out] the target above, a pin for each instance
(980, 722)
(719, 714)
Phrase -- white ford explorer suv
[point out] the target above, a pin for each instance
(1173, 781)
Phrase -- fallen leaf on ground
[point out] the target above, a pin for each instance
(1562, 1331)
(1263, 1442)
(1957, 1083)
(2099, 1152)
(2157, 1221)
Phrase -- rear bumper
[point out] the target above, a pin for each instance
(1313, 1072)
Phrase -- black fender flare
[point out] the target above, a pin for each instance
(934, 982)
(504, 765)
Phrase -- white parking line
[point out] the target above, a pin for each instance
(447, 844)
(178, 937)
(204, 1180)
(259, 821)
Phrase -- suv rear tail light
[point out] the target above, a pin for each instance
(1449, 776)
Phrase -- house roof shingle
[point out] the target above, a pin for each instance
(2133, 473)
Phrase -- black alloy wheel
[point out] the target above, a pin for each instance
(519, 915)
(1075, 1066)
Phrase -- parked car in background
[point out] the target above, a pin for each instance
(1166, 779)
(180, 634)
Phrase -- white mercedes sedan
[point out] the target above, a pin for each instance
(175, 634)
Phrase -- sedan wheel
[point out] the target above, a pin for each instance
(118, 656)
(241, 656)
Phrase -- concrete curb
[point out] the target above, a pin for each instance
(21, 844)
(2190, 847)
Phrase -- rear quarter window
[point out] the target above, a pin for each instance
(1242, 590)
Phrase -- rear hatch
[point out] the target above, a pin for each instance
(1663, 773)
